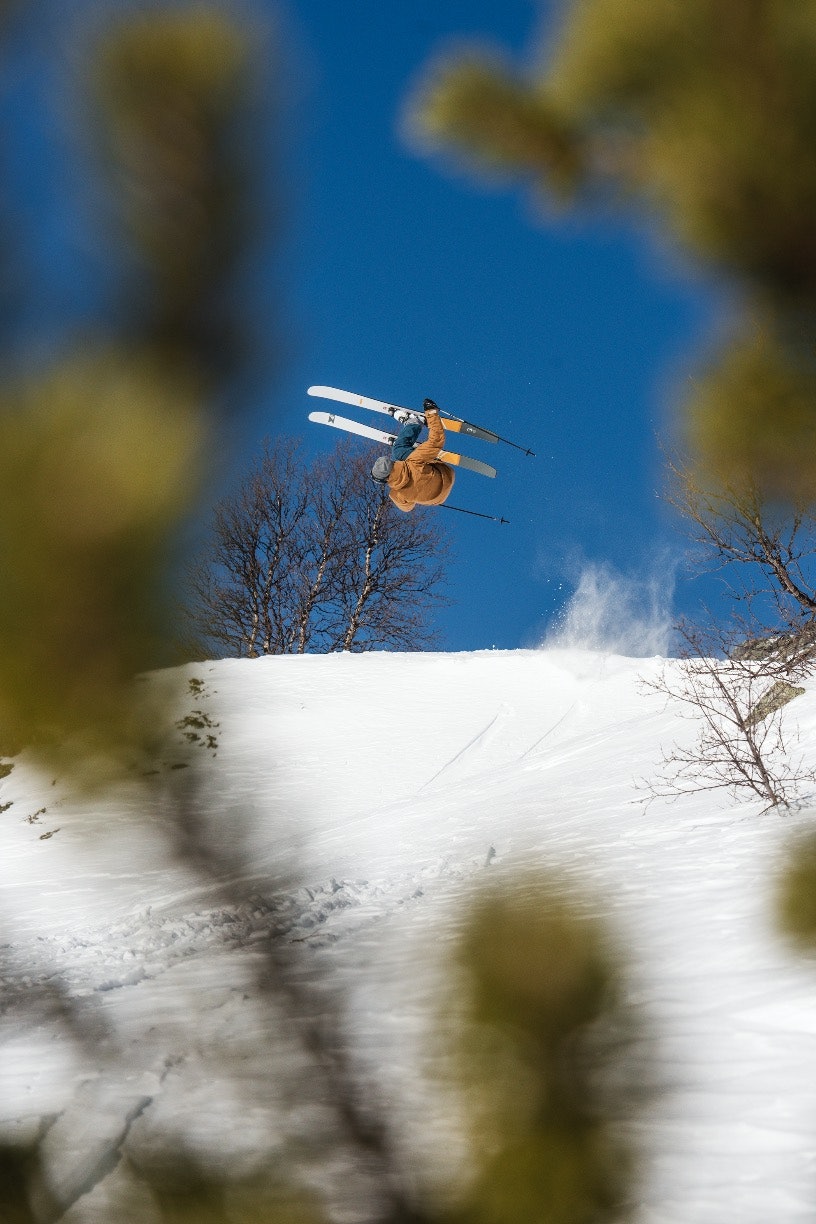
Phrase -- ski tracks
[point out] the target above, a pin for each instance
(497, 734)
(479, 738)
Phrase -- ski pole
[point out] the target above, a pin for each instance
(476, 513)
(517, 446)
(498, 437)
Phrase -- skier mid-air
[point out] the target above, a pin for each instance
(415, 474)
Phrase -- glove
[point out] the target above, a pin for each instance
(429, 406)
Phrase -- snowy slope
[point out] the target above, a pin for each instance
(391, 787)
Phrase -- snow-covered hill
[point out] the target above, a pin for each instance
(387, 789)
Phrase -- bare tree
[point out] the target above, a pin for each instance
(315, 557)
(767, 552)
(737, 700)
(239, 591)
(736, 678)
(393, 566)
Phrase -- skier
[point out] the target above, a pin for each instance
(414, 474)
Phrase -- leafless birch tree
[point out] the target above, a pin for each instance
(314, 557)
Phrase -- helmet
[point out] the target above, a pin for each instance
(382, 469)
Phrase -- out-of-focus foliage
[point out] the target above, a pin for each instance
(181, 1192)
(505, 125)
(796, 895)
(708, 107)
(21, 1189)
(101, 446)
(683, 102)
(753, 413)
(704, 112)
(177, 1192)
(174, 92)
(541, 1033)
(98, 463)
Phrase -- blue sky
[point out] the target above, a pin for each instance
(405, 278)
(402, 278)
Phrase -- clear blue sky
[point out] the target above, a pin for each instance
(402, 278)
(407, 279)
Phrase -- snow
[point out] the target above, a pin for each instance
(361, 801)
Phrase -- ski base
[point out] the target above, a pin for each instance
(387, 439)
(452, 424)
(344, 423)
(472, 465)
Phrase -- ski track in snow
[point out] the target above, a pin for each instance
(378, 830)
(478, 741)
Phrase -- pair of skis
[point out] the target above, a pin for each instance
(452, 425)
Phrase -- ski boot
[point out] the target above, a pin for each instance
(405, 416)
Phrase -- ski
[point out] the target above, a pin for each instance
(452, 424)
(382, 435)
